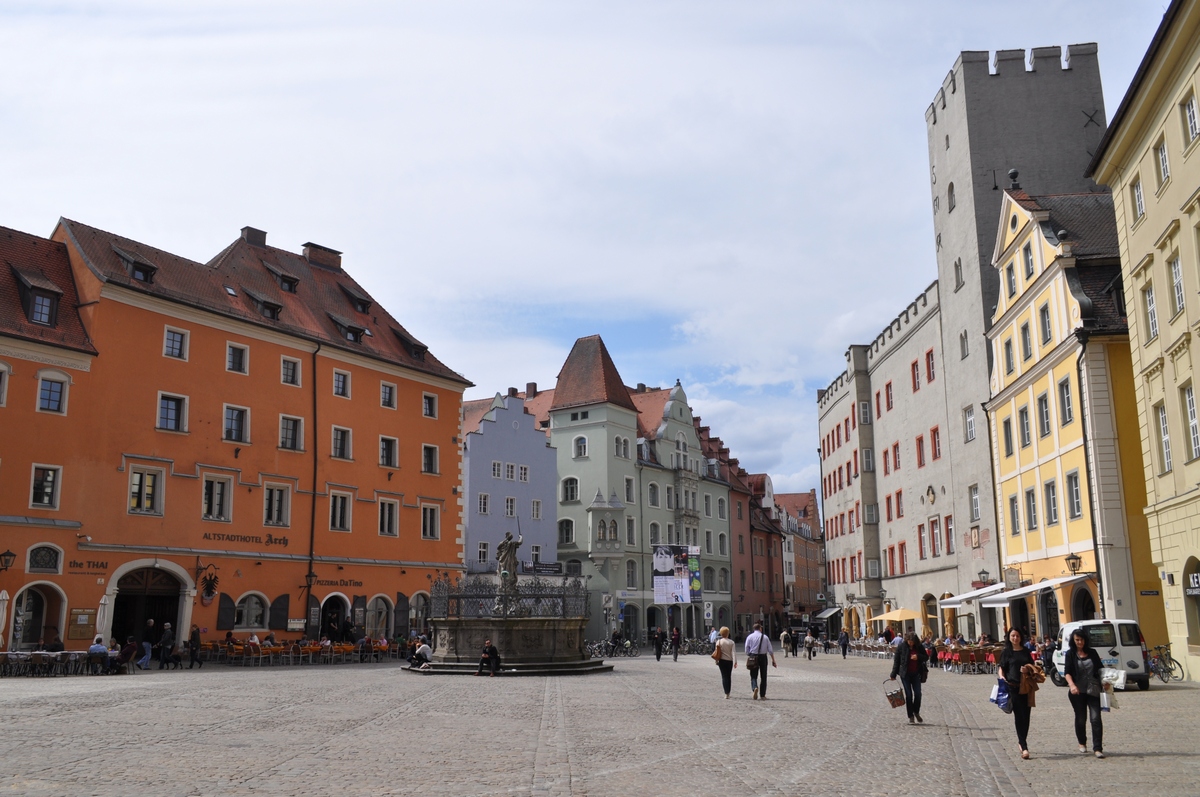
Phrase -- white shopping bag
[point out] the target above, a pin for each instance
(1113, 677)
(995, 693)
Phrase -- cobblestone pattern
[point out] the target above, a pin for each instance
(650, 727)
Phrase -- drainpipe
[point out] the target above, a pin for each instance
(1082, 336)
(312, 515)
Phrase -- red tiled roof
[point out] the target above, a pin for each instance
(322, 295)
(43, 264)
(590, 377)
(473, 412)
(650, 405)
(798, 504)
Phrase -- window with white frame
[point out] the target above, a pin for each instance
(1044, 323)
(429, 459)
(1164, 164)
(250, 613)
(655, 537)
(523, 473)
(172, 413)
(570, 489)
(630, 531)
(485, 501)
(535, 509)
(1050, 499)
(631, 579)
(1008, 356)
(175, 343)
(629, 490)
(1073, 494)
(1014, 515)
(45, 488)
(1164, 439)
(721, 508)
(973, 492)
(217, 498)
(868, 460)
(431, 528)
(341, 383)
(708, 541)
(276, 505)
(1026, 342)
(289, 371)
(497, 470)
(535, 553)
(969, 423)
(580, 447)
(1191, 119)
(1023, 424)
(707, 505)
(482, 556)
(1010, 279)
(1066, 412)
(339, 512)
(1139, 200)
(53, 392)
(342, 444)
(237, 358)
(652, 494)
(964, 345)
(1027, 256)
(429, 406)
(291, 433)
(566, 531)
(145, 496)
(1189, 409)
(510, 507)
(389, 451)
(1176, 270)
(389, 518)
(237, 424)
(510, 471)
(387, 395)
(1043, 409)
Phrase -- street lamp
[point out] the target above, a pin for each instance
(1074, 562)
(882, 594)
(985, 576)
(6, 560)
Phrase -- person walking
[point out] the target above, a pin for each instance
(728, 661)
(166, 646)
(675, 639)
(810, 646)
(911, 663)
(844, 642)
(194, 648)
(785, 642)
(149, 637)
(659, 640)
(758, 648)
(1013, 659)
(1081, 666)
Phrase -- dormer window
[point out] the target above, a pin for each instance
(348, 329)
(360, 301)
(267, 307)
(136, 266)
(270, 311)
(415, 350)
(42, 309)
(288, 284)
(39, 296)
(142, 273)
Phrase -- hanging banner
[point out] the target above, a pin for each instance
(676, 567)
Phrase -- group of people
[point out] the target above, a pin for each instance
(758, 650)
(168, 648)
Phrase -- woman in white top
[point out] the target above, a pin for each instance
(727, 661)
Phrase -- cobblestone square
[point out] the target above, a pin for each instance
(648, 728)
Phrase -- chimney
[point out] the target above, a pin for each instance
(322, 256)
(641, 387)
(254, 237)
(530, 389)
(512, 392)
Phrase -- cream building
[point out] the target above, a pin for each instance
(1150, 157)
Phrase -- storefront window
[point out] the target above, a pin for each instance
(251, 613)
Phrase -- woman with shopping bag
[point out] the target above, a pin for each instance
(911, 664)
(1081, 666)
(1013, 659)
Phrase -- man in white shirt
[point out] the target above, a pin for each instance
(758, 648)
(712, 636)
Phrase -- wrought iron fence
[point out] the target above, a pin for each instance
(533, 597)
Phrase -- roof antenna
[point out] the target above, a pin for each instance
(995, 186)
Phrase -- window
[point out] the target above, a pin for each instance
(631, 579)
(723, 580)
(887, 390)
(1191, 119)
(291, 434)
(216, 498)
(935, 443)
(580, 447)
(1043, 409)
(949, 534)
(652, 494)
(920, 451)
(143, 491)
(523, 473)
(341, 384)
(1164, 165)
(1073, 495)
(707, 505)
(497, 469)
(1139, 200)
(1023, 420)
(339, 512)
(921, 549)
(708, 542)
(1065, 411)
(903, 551)
(629, 490)
(721, 508)
(566, 531)
(172, 413)
(670, 497)
(275, 505)
(1031, 518)
(175, 343)
(916, 376)
(237, 358)
(868, 460)
(950, 198)
(510, 507)
(484, 500)
(45, 559)
(1010, 279)
(482, 556)
(739, 510)
(1026, 342)
(899, 503)
(1164, 437)
(387, 395)
(429, 459)
(1189, 406)
(1176, 285)
(895, 456)
(1050, 499)
(237, 427)
(973, 492)
(429, 405)
(1151, 312)
(251, 612)
(1008, 437)
(574, 567)
(887, 468)
(1027, 255)
(44, 494)
(964, 345)
(1014, 515)
(929, 370)
(864, 412)
(630, 531)
(958, 274)
(1008, 356)
(1044, 323)
(387, 451)
(969, 424)
(341, 444)
(43, 308)
(510, 471)
(289, 371)
(52, 395)
(877, 405)
(935, 536)
(535, 553)
(570, 489)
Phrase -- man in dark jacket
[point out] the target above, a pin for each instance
(844, 642)
(676, 638)
(489, 659)
(165, 645)
(910, 663)
(659, 640)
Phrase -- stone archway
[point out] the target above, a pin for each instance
(38, 613)
(1083, 605)
(1048, 609)
(187, 591)
(148, 593)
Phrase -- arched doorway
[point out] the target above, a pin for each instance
(630, 614)
(148, 593)
(37, 615)
(653, 618)
(334, 612)
(1048, 609)
(1083, 605)
(722, 617)
(1018, 615)
(378, 618)
(418, 614)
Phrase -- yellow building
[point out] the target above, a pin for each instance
(1150, 157)
(1066, 453)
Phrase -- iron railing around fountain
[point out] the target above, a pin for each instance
(476, 596)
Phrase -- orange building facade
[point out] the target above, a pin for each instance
(248, 444)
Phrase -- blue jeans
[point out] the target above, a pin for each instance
(758, 674)
(144, 661)
(912, 692)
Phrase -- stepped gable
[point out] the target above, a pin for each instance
(589, 377)
(41, 264)
(328, 306)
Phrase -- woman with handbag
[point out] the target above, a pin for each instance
(911, 663)
(1081, 666)
(1015, 656)
(723, 653)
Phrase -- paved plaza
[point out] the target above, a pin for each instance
(648, 728)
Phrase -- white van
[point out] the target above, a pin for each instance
(1118, 642)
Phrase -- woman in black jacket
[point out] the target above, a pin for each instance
(1081, 666)
(1015, 656)
(911, 664)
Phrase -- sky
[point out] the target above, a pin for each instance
(729, 193)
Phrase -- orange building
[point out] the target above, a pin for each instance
(247, 444)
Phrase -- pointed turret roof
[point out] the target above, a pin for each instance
(590, 377)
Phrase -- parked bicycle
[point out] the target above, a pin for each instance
(1163, 665)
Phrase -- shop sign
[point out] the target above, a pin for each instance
(250, 539)
(1149, 593)
(295, 624)
(83, 624)
(548, 568)
(86, 567)
(338, 582)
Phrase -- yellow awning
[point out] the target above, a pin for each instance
(897, 616)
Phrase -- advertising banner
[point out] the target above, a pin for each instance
(676, 574)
